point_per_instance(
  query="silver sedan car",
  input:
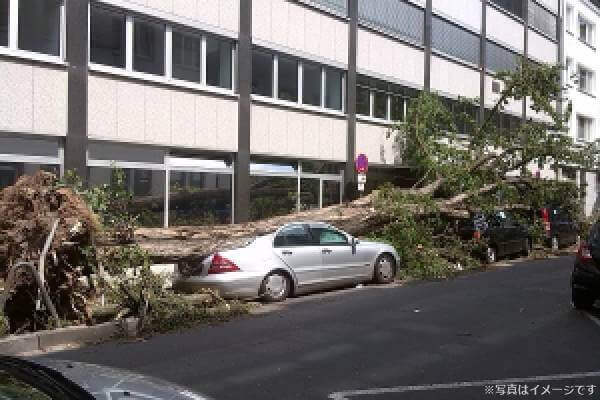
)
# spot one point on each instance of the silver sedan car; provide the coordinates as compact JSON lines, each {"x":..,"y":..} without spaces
{"x":299,"y":257}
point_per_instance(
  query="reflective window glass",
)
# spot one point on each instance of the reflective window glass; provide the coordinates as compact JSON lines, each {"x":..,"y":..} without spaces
{"x":39,"y":26}
{"x":149,"y":47}
{"x":288,"y":79}
{"x":186,"y":56}
{"x":333,"y":92}
{"x":262,"y":73}
{"x":311,"y":84}
{"x":218,"y":62}
{"x":4,"y":22}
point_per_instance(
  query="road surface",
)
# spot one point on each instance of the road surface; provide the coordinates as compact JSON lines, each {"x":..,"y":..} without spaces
{"x":508,"y":329}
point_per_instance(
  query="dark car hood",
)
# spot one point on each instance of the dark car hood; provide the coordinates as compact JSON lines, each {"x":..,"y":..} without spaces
{"x":110,"y":383}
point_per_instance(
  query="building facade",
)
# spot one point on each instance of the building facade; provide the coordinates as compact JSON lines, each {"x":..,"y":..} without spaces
{"x":233,"y":110}
{"x":581,"y":17}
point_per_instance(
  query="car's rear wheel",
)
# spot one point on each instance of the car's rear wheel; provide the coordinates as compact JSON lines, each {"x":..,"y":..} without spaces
{"x":385,"y":269}
{"x":491,"y":256}
{"x":581,"y":300}
{"x":275,"y":287}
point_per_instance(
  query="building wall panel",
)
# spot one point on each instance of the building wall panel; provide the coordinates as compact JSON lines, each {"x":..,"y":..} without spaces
{"x":290,"y":133}
{"x":371,"y":140}
{"x":513,"y":107}
{"x":300,"y":28}
{"x":128,"y":111}
{"x":452,"y":78}
{"x":504,"y":29}
{"x":384,"y":56}
{"x":467,"y":12}
{"x":223,"y":14}
{"x":33,"y":98}
{"x":541,"y":48}
{"x":183,"y":120}
{"x":102,"y":112}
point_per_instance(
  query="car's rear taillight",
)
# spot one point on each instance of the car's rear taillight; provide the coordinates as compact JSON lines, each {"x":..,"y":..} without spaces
{"x":583,"y":253}
{"x":220,"y":264}
{"x":546,"y":220}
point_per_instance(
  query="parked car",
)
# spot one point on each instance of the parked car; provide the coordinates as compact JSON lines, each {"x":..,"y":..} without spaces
{"x":505,"y":236}
{"x":585,"y":278}
{"x":47,"y":379}
{"x":298,"y":258}
{"x":560,"y":228}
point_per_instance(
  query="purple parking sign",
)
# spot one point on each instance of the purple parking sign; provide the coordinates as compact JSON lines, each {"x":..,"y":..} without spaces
{"x":362,"y":164}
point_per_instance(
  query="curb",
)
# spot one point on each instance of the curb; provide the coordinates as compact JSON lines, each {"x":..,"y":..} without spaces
{"x":63,"y":337}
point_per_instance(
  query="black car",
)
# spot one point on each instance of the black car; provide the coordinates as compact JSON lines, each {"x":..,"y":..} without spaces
{"x":46,"y":379}
{"x":585,"y":279}
{"x":560,"y":228}
{"x":505,"y":236}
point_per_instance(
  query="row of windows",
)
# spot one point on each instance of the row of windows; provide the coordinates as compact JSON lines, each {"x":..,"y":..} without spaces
{"x":38,"y":25}
{"x":454,"y":40}
{"x":290,"y":79}
{"x":394,"y":17}
{"x":194,"y":58}
{"x":542,"y":19}
{"x":378,"y":99}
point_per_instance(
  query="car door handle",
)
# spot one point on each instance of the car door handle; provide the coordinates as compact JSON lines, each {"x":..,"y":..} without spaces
{"x":286,"y":253}
{"x":326,"y":251}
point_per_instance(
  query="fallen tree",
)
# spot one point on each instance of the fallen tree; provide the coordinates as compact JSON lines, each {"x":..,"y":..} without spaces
{"x":30,"y":209}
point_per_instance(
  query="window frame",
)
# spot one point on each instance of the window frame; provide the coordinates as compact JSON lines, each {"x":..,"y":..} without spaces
{"x":590,"y":31}
{"x":588,"y":77}
{"x":13,"y":36}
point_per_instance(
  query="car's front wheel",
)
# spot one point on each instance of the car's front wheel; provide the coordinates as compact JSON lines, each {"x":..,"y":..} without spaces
{"x":275,"y":287}
{"x":385,"y":269}
{"x":581,"y":300}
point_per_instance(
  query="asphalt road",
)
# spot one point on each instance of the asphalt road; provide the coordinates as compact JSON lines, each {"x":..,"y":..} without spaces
{"x":504,"y":330}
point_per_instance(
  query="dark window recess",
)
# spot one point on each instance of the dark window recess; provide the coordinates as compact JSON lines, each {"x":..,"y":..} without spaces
{"x":288,"y":79}
{"x":500,"y":59}
{"x":452,"y":40}
{"x":4,"y":22}
{"x":186,"y":57}
{"x":311,"y":84}
{"x":218,"y":62}
{"x":262,"y":73}
{"x":513,"y":6}
{"x":397,"y":111}
{"x":39,"y":26}
{"x":149,"y":48}
{"x":107,"y":37}
{"x":363,"y":101}
{"x":542,"y":19}
{"x":333,"y":92}
{"x":495,"y":87}
{"x":395,"y":17}
{"x":380,"y":105}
